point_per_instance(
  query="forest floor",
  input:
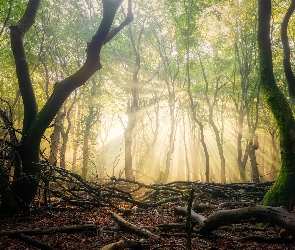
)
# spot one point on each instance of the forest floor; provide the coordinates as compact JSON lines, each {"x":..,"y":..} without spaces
{"x":54,"y":226}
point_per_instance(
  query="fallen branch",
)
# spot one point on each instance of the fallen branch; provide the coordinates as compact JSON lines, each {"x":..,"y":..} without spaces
{"x":275,"y":215}
{"x":123,"y":244}
{"x":194,"y":216}
{"x":35,"y":243}
{"x":165,"y":227}
{"x":64,"y":229}
{"x":132,"y":228}
{"x":263,"y":239}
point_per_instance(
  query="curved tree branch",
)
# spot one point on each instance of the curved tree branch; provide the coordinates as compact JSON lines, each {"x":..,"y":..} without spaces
{"x":17,"y":33}
{"x":286,"y":49}
{"x":92,"y":64}
{"x":276,"y":215}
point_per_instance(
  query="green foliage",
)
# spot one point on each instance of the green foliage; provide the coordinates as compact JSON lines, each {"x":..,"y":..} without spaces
{"x":176,"y":34}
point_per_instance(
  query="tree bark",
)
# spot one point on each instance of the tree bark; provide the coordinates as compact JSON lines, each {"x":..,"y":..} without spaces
{"x":282,"y":192}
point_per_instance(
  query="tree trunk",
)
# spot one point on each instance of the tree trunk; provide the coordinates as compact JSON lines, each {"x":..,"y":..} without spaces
{"x":241,"y":164}
{"x":216,"y":131}
{"x":87,"y":131}
{"x":65,"y":133}
{"x":153,"y":163}
{"x":74,"y":162}
{"x":254,"y":145}
{"x":282,"y":192}
{"x":132,"y":116}
{"x":101,"y":158}
{"x":194,"y":115}
{"x":26,"y":181}
{"x":171,"y":143}
{"x":132,"y":109}
{"x":55,"y":138}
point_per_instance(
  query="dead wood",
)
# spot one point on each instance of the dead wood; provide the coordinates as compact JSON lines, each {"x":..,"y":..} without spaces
{"x":64,"y":229}
{"x":233,"y":204}
{"x":202,"y":207}
{"x":123,"y":194}
{"x":169,"y":226}
{"x":35,"y":243}
{"x":263,"y":239}
{"x":123,"y":244}
{"x":132,"y":228}
{"x":276,"y":215}
{"x":198,"y":218}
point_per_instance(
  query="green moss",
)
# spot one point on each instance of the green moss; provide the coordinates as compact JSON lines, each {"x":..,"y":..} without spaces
{"x":282,"y":192}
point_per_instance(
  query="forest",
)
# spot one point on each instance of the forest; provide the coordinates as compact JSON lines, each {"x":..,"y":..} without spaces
{"x":117,"y":110}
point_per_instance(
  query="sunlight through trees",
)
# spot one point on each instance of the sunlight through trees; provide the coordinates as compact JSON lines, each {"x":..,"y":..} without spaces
{"x":177,"y":96}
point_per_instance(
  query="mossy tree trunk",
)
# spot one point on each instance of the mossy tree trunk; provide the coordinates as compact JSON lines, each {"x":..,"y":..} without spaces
{"x":25,"y":183}
{"x":282,"y":192}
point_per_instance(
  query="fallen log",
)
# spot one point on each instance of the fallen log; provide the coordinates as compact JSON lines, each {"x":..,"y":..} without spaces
{"x":123,"y":244}
{"x":64,"y":229}
{"x":198,"y":218}
{"x":33,"y":242}
{"x":275,"y":215}
{"x":132,"y":228}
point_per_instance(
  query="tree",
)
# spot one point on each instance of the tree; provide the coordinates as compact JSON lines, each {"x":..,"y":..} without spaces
{"x":132,"y":106}
{"x":282,"y":192}
{"x":25,"y":181}
{"x":189,"y":39}
{"x":244,"y":29}
{"x":92,"y":115}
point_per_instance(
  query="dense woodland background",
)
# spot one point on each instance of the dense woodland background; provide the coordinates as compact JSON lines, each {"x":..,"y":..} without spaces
{"x":178,"y":97}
